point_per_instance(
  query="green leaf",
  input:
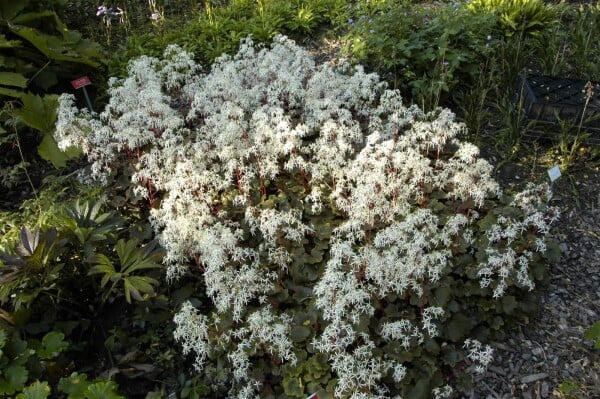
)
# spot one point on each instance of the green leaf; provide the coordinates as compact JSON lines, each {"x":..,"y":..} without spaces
{"x":509,"y":304}
{"x":16,"y":376}
{"x":52,"y":47}
{"x":3,"y":338}
{"x":52,"y":344}
{"x":442,"y":295}
{"x":420,"y":390}
{"x":130,"y":291}
{"x":552,"y":252}
{"x":10,"y":9}
{"x":10,"y":92}
{"x":105,"y":267}
{"x":136,"y":284}
{"x":31,"y":16}
{"x":13,"y":79}
{"x":458,"y":328}
{"x":103,"y":390}
{"x":37,"y":390}
{"x":39,"y":112}
{"x":48,"y":150}
{"x":75,"y":385}
{"x":293,"y":387}
{"x":133,"y":258}
{"x":300,"y":333}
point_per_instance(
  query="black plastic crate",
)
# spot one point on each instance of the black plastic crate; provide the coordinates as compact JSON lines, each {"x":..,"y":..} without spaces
{"x":545,"y":100}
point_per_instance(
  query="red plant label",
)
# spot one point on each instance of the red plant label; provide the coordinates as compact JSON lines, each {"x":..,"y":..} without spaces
{"x":82,"y":81}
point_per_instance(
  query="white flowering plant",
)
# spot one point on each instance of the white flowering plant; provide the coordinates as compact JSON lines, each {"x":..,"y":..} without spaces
{"x":348,"y":243}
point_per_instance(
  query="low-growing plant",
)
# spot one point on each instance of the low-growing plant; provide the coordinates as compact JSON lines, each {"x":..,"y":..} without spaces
{"x":25,"y":364}
{"x":219,"y":27}
{"x":425,"y":51}
{"x":518,"y":17}
{"x":346,"y":242}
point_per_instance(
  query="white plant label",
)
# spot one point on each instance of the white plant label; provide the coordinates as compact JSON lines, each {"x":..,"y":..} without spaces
{"x":554,"y":173}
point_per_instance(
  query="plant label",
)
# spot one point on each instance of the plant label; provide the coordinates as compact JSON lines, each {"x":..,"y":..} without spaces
{"x":313,"y":396}
{"x":554,"y":173}
{"x":81,"y":82}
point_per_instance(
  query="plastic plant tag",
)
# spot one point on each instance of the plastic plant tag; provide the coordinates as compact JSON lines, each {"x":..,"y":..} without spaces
{"x":80,"y":84}
{"x":82,"y":81}
{"x":313,"y":396}
{"x":554,"y":173}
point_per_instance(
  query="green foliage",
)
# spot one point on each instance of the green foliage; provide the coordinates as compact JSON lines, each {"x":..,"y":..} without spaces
{"x":593,"y":334}
{"x":131,"y":259}
{"x":33,"y":265}
{"x":37,"y":51}
{"x":424,"y":51}
{"x":192,"y":388}
{"x":44,"y":209}
{"x":37,"y":390}
{"x":28,"y":361}
{"x":570,"y":389}
{"x":89,"y":226}
{"x":310,"y":374}
{"x":518,"y":17}
{"x":221,"y":26}
{"x":23,"y":361}
{"x":46,"y":289}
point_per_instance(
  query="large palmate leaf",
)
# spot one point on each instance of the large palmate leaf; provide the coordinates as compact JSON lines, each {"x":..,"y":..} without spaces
{"x":52,"y":47}
{"x":38,"y":112}
{"x":37,"y":51}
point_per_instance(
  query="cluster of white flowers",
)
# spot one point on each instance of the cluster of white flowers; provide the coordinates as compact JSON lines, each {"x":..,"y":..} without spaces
{"x":502,"y":259}
{"x":480,"y":355}
{"x":192,"y":332}
{"x":212,"y":145}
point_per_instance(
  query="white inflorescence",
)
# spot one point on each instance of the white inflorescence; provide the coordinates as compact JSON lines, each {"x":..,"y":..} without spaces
{"x":211,"y":143}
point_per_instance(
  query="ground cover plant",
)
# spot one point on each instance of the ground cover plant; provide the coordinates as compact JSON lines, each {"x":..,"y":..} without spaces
{"x":348,"y":243}
{"x":321,"y":233}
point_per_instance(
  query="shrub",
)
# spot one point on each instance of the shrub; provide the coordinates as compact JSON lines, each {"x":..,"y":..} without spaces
{"x":348,"y":243}
{"x":426,"y":51}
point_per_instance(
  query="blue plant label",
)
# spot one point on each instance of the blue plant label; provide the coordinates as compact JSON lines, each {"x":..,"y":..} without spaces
{"x":554,"y":173}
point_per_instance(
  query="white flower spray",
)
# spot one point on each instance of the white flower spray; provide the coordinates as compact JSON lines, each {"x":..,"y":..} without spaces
{"x":211,"y":145}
